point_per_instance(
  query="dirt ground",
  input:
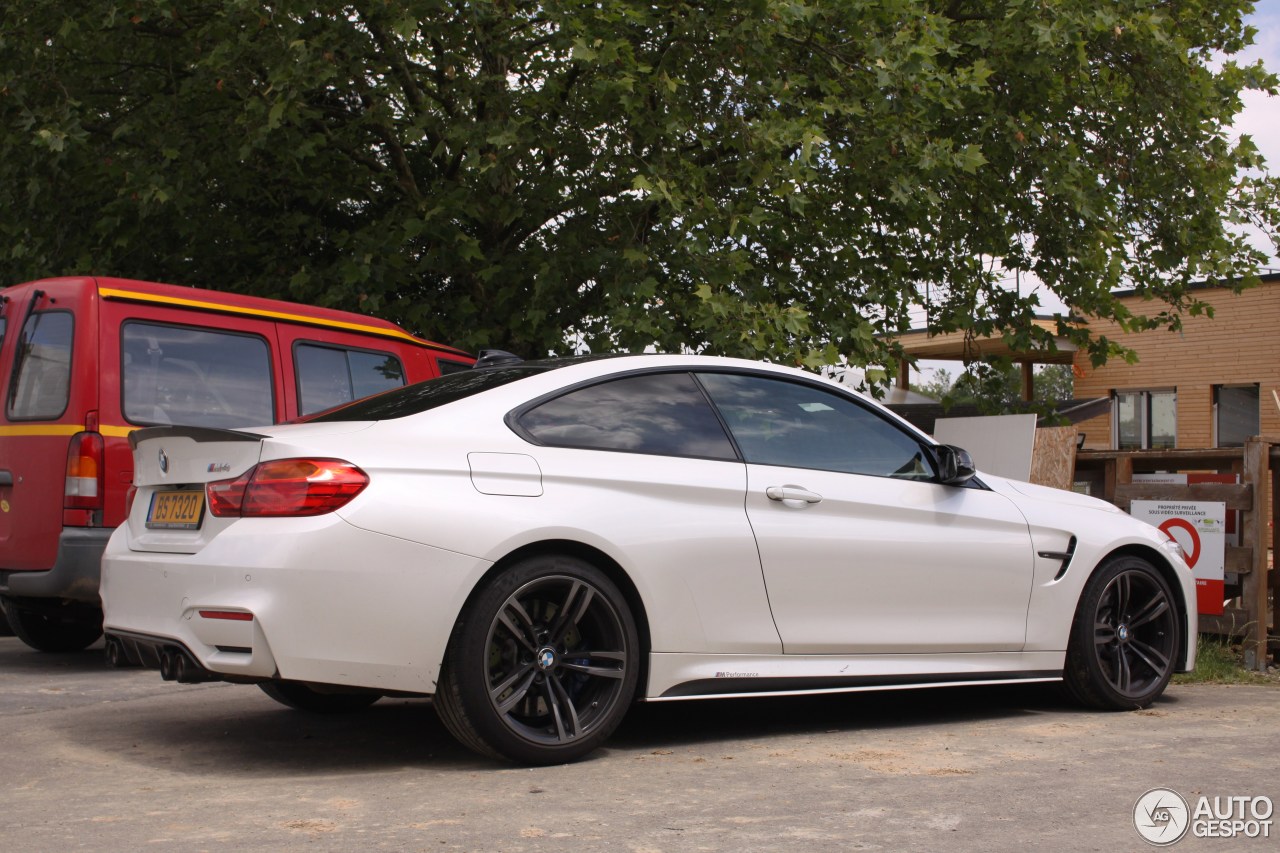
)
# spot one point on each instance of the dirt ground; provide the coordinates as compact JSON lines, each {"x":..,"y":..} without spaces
{"x":96,"y":759}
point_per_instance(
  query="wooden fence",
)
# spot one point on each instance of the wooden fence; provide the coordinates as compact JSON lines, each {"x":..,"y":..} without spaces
{"x":1249,"y":612}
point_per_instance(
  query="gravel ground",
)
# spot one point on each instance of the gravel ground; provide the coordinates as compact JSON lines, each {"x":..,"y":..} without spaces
{"x":96,"y":759}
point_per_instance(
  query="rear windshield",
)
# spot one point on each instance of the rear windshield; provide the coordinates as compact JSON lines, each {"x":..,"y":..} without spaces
{"x":412,"y":399}
{"x":41,"y":378}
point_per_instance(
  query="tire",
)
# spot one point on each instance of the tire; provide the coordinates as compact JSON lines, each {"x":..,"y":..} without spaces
{"x":49,"y":633}
{"x":300,"y":697}
{"x":542,"y":665}
{"x":1125,"y":638}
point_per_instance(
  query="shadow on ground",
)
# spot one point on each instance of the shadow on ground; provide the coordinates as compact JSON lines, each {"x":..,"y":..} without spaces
{"x":234,"y":729}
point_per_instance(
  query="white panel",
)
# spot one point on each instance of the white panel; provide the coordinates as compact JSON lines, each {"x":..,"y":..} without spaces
{"x":1000,"y":444}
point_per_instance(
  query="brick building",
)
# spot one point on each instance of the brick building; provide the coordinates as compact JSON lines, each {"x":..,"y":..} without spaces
{"x":1210,"y":384}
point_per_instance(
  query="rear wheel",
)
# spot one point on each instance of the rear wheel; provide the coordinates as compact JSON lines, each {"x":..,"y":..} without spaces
{"x":302,"y":697}
{"x":48,"y":631}
{"x":1126,"y":636}
{"x":543,"y":665}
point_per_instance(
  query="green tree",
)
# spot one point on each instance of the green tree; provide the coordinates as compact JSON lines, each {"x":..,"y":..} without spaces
{"x":770,"y":178}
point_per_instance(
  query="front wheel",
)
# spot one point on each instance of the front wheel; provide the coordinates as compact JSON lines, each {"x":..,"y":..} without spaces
{"x":542,"y":666}
{"x":1126,"y":637}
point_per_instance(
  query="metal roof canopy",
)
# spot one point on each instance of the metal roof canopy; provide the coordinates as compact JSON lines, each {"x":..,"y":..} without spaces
{"x":956,"y":346}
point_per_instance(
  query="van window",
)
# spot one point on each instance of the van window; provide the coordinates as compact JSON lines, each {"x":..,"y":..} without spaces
{"x":41,"y":379}
{"x":448,"y":366}
{"x":329,"y":376}
{"x":195,"y":377}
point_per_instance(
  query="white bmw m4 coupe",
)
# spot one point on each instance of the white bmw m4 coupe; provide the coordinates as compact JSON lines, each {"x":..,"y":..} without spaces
{"x":537,"y":545}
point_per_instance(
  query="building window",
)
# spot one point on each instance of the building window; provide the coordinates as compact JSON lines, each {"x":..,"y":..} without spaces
{"x":1235,"y":414}
{"x":1145,"y":420}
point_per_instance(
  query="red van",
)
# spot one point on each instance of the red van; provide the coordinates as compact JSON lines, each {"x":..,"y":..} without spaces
{"x":85,"y":361}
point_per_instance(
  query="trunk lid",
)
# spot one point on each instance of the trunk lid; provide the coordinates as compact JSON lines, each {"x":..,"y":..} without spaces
{"x":171,"y":466}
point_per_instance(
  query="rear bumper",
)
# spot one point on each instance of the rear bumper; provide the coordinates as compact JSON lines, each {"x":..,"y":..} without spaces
{"x":75,"y":573}
{"x":302,"y":599}
{"x":174,"y":660}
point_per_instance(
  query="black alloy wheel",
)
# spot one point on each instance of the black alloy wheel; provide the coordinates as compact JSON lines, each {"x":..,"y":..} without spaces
{"x":1126,"y":637}
{"x":543,"y":667}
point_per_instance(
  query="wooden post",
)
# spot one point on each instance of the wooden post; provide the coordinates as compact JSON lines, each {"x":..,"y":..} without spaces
{"x":1028,"y":382}
{"x":1118,"y":471}
{"x":1274,"y":497}
{"x":1254,"y":535}
{"x":904,"y":374}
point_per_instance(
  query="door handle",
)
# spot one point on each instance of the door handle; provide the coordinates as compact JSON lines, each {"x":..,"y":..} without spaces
{"x":792,"y":493}
{"x":6,"y":478}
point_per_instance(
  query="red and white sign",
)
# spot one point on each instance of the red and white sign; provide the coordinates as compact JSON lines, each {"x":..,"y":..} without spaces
{"x":1200,"y":528}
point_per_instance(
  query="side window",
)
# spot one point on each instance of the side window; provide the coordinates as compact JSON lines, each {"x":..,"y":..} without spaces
{"x":41,"y":381}
{"x":448,"y":366}
{"x":777,"y":422}
{"x":329,"y":376}
{"x":664,"y":414}
{"x":195,"y":377}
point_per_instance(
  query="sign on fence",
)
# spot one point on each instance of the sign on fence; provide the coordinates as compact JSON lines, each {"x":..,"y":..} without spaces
{"x":1200,"y":528}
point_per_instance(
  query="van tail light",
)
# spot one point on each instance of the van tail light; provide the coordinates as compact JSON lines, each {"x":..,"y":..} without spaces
{"x":287,"y":487}
{"x":84,"y":483}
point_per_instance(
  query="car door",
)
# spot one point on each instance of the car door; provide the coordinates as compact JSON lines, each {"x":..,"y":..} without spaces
{"x":643,"y":463}
{"x":863,"y":551}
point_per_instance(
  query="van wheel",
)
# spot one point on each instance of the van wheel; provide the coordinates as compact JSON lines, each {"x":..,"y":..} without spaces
{"x":49,"y":633}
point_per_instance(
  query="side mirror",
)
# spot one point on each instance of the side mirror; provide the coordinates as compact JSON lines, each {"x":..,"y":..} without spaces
{"x":955,"y":465}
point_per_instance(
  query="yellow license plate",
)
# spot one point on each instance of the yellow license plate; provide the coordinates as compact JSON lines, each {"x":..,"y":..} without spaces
{"x":176,"y":510}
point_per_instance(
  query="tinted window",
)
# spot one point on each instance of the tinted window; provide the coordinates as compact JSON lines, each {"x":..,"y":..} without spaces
{"x":663,"y":414}
{"x":446,"y":366}
{"x":330,"y":376}
{"x":422,"y":396}
{"x":195,"y":377}
{"x":1237,"y":409}
{"x":41,"y":378}
{"x":776,"y":422}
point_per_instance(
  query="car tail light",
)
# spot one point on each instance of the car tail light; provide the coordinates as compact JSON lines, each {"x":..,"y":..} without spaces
{"x":83,"y":488}
{"x":287,"y":487}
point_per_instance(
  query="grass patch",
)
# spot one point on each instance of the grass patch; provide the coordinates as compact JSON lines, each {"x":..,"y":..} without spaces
{"x":1220,"y":662}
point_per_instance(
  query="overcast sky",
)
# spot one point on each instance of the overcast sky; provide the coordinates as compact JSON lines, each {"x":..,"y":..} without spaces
{"x":1261,"y":116}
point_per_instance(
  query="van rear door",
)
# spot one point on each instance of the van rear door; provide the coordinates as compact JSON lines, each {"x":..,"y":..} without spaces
{"x":47,"y":389}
